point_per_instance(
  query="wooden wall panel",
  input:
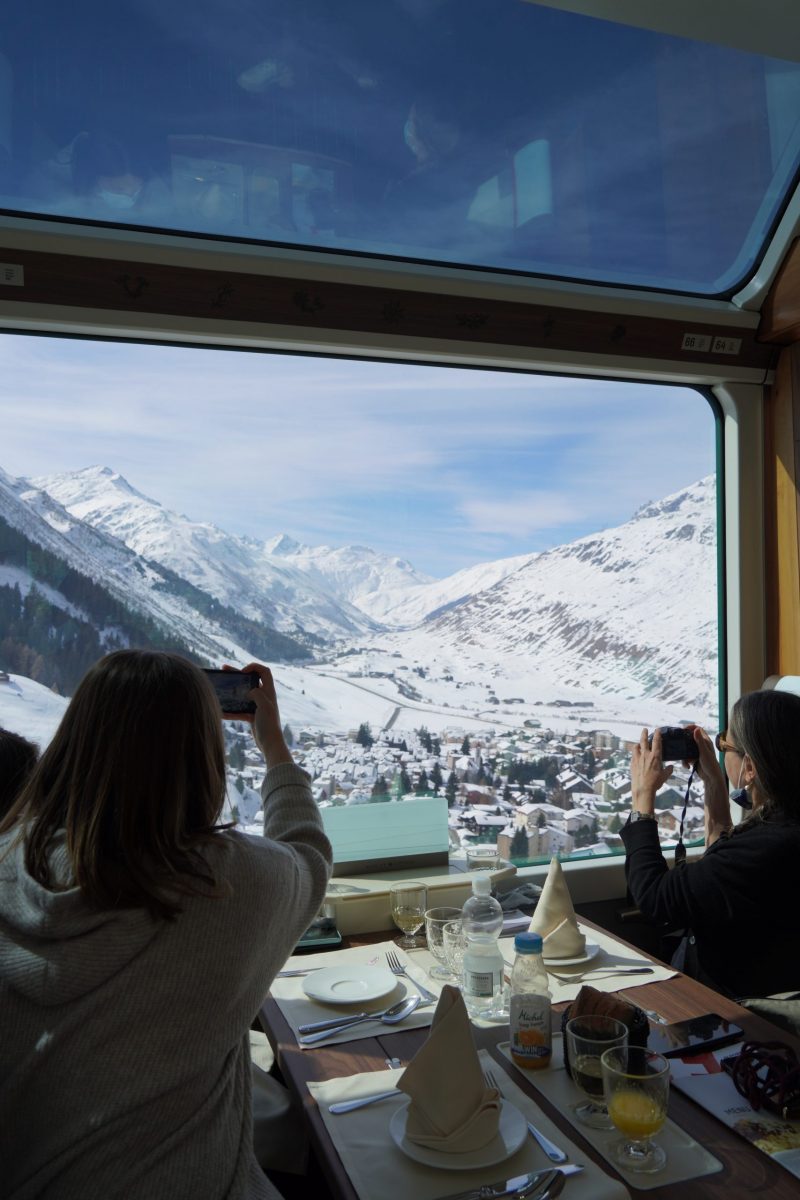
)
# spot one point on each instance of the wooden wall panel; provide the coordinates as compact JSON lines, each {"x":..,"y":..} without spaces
{"x":782,"y":516}
{"x":780,"y":316}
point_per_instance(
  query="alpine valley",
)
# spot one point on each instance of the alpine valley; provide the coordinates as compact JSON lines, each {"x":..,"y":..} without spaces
{"x":611,"y":631}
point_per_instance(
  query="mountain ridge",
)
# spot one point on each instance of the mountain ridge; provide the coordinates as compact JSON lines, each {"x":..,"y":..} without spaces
{"x":628,"y":612}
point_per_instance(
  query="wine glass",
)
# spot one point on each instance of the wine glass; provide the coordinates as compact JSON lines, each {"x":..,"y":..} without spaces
{"x":636,"y":1085}
{"x":435,"y":921}
{"x":587,"y":1038}
{"x":409,"y":902}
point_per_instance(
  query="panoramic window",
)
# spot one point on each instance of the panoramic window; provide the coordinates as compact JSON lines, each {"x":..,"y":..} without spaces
{"x":540,"y":141}
{"x":473,"y":587}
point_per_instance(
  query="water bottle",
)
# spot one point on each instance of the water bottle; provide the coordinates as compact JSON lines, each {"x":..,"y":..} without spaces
{"x":531,"y":1035}
{"x":482,"y":920}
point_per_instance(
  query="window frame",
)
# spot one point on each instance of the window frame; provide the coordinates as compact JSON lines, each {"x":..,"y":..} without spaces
{"x":736,"y":393}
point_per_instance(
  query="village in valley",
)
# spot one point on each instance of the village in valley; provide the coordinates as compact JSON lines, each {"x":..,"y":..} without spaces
{"x":532,"y":793}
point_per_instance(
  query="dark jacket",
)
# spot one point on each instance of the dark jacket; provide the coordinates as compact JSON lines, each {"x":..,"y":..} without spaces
{"x":739,"y":902}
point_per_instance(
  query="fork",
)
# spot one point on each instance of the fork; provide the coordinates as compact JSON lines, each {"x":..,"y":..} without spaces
{"x":600,"y":973}
{"x":397,"y":968}
{"x":553,"y":1152}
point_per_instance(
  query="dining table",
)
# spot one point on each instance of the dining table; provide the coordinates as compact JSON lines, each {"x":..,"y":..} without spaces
{"x":744,"y":1169}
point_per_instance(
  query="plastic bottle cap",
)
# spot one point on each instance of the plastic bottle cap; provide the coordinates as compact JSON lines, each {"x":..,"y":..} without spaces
{"x":528,"y":943}
{"x":481,"y":885}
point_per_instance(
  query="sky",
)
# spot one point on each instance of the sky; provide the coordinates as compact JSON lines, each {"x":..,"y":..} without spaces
{"x":444,"y":467}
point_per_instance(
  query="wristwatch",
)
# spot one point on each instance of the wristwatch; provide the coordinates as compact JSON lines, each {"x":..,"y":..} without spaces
{"x":642,"y":816}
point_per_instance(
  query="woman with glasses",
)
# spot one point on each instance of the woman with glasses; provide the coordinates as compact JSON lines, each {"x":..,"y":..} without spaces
{"x":737,"y":902}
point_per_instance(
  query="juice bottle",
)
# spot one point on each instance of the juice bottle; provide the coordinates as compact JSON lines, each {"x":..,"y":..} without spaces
{"x":531,"y":1038}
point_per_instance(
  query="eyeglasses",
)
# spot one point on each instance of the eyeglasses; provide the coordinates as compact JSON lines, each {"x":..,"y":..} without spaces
{"x":723,"y":745}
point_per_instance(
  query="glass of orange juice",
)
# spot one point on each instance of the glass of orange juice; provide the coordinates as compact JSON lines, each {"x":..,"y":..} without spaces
{"x":636,"y":1086}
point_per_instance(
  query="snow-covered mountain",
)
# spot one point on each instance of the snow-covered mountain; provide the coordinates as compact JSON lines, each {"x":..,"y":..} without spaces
{"x":295,"y":588}
{"x":630,"y":611}
{"x":136,"y":583}
{"x":621,"y":622}
{"x":358,"y":574}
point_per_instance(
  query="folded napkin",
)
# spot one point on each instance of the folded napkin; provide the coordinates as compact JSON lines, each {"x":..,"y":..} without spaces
{"x":451,"y":1107}
{"x":555,"y":918}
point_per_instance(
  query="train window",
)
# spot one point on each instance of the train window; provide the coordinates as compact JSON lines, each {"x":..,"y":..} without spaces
{"x":472,"y":585}
{"x":540,"y":141}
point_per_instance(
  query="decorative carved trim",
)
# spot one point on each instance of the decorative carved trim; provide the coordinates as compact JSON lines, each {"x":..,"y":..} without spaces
{"x":101,"y":283}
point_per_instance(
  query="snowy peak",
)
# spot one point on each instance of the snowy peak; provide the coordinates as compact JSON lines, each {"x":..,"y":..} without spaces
{"x":363,"y":577}
{"x":91,"y":486}
{"x":239,"y":572}
{"x":282,"y":544}
{"x":316,"y":589}
{"x":700,"y":497}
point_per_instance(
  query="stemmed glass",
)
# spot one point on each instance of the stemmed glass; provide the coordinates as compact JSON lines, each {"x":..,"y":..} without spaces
{"x":587,"y":1038}
{"x":435,"y":921}
{"x":636,"y":1087}
{"x":409,"y":902}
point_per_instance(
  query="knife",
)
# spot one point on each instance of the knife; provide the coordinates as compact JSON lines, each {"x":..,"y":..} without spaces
{"x":533,"y":1185}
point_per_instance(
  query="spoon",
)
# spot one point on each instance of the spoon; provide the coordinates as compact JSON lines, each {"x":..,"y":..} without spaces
{"x":390,"y":1016}
{"x":332,"y":1022}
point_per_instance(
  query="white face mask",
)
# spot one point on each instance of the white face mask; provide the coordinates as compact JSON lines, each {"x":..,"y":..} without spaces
{"x":119,"y":200}
{"x":740,"y":795}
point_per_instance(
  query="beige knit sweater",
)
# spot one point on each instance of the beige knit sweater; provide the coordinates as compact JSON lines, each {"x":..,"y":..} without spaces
{"x":124,"y":1060}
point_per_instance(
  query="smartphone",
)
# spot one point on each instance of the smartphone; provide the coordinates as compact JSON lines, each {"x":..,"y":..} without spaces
{"x":320,"y":933}
{"x":231,"y":689}
{"x":698,"y":1034}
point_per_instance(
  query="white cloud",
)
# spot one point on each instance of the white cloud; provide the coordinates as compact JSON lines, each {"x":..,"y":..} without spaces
{"x":525,"y":514}
{"x":433,"y":464}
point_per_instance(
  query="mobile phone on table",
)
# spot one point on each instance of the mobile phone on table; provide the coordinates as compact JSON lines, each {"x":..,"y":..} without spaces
{"x":693,"y":1036}
{"x":321,"y":932}
{"x":231,"y":689}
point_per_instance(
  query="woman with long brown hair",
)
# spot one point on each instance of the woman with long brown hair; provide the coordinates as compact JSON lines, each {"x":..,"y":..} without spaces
{"x":139,"y":937}
{"x":738,"y":901}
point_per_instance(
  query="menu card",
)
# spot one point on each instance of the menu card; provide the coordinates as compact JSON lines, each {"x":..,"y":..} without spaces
{"x":703,"y":1080}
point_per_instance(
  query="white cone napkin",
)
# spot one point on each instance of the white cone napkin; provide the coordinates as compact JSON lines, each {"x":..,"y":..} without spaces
{"x":451,"y":1107}
{"x":554,"y":918}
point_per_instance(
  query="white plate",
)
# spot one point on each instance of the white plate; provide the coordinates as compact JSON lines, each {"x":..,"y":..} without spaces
{"x":511,"y":1134}
{"x":349,"y":985}
{"x":592,"y":950}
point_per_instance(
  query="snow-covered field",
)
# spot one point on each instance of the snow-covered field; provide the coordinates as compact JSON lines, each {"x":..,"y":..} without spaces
{"x":29,"y":709}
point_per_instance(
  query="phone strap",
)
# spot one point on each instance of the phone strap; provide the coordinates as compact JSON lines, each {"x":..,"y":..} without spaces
{"x":680,"y":849}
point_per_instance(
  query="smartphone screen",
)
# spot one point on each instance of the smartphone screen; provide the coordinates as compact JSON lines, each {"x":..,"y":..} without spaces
{"x":700,"y":1033}
{"x":231,"y":689}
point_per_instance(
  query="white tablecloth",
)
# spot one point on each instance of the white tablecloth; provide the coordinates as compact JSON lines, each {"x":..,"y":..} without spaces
{"x":300,"y":1009}
{"x":612,"y":956}
{"x":379,"y":1170}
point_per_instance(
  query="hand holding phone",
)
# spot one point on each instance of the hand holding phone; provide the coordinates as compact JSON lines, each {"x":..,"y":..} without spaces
{"x":249,"y":695}
{"x":266,"y":720}
{"x":232,"y":689}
